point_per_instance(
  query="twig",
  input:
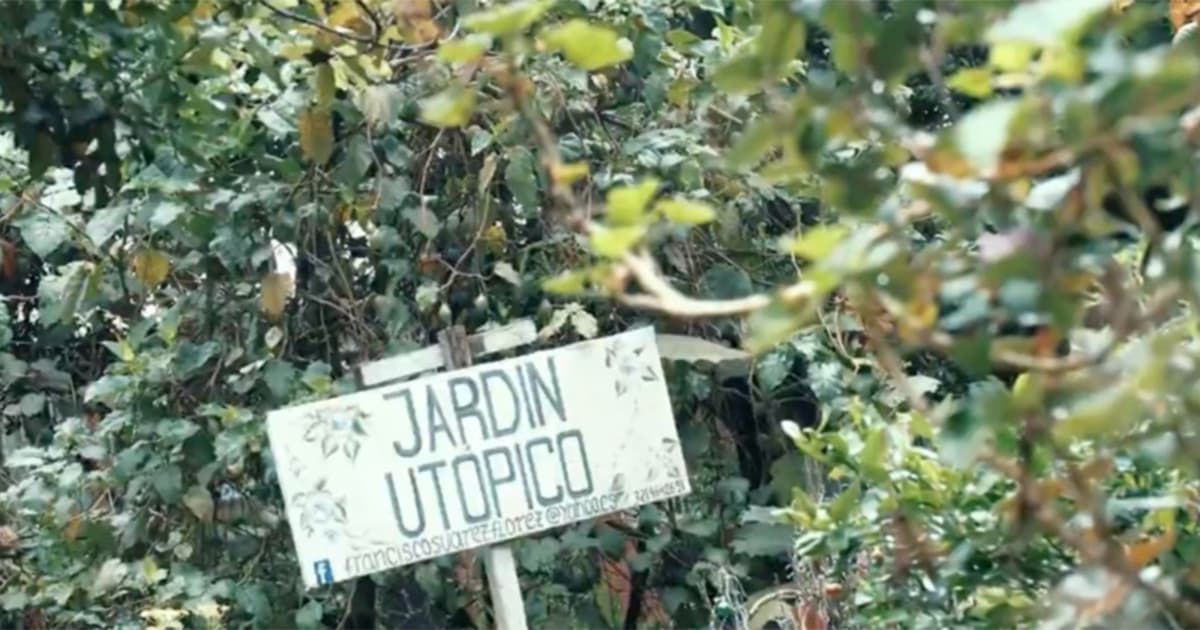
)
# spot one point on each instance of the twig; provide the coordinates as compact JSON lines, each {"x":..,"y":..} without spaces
{"x":319,"y":25}
{"x":661,"y":296}
{"x":362,"y":6}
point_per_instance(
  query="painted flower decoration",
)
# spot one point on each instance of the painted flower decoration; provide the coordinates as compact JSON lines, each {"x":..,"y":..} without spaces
{"x":628,"y":364}
{"x":321,"y":514}
{"x":337,"y":429}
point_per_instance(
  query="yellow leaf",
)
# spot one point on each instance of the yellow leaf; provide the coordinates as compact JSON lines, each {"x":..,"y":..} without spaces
{"x":324,"y":85}
{"x":495,"y":238}
{"x":613,"y":243}
{"x":451,"y":107}
{"x":347,"y":16}
{"x":71,"y":532}
{"x":316,"y":135}
{"x":275,"y":290}
{"x":466,"y":49}
{"x":507,"y":19}
{"x":588,"y":46}
{"x":151,"y":267}
{"x":974,"y":82}
{"x":627,"y":204}
{"x":568,"y":174}
{"x":686,"y":211}
{"x":1011,"y":56}
{"x":566,"y":283}
{"x":816,"y":243}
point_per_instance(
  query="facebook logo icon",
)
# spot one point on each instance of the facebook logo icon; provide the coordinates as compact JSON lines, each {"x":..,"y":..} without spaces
{"x":324,"y":572}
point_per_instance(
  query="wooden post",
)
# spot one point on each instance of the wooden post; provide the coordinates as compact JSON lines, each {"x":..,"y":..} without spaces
{"x":507,"y":602}
{"x":457,"y":350}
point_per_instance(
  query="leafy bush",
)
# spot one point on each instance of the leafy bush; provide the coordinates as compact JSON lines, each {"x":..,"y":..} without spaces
{"x":955,"y":237}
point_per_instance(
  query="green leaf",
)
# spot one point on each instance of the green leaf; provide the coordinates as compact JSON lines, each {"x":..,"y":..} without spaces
{"x":763,"y":539}
{"x":168,"y":482}
{"x":1046,"y":22}
{"x":963,"y":436}
{"x":42,"y":231}
{"x":843,"y":506}
{"x":108,"y":389}
{"x":309,"y":616}
{"x":1103,"y":413}
{"x":423,"y":220}
{"x":772,"y":369}
{"x":586,"y":45}
{"x":873,"y":457}
{"x":725,"y":282}
{"x":626,"y":205}
{"x":535,"y":553}
{"x":6,"y":333}
{"x":566,"y":283}
{"x":193,"y":356}
{"x":614,"y":243}
{"x":817,"y":243}
{"x":521,"y":179}
{"x":106,"y":222}
{"x":452,"y":107}
{"x":740,"y":75}
{"x":974,"y":82}
{"x":982,"y":134}
{"x":165,"y":213}
{"x":780,"y":40}
{"x":686,"y":211}
{"x":60,"y":295}
{"x":13,"y":599}
{"x":507,"y":19}
{"x":110,"y":576}
{"x":279,"y":376}
{"x":32,"y":404}
{"x":759,"y":138}
{"x":464,"y":50}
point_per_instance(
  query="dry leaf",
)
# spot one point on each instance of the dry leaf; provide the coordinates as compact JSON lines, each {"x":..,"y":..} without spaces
{"x":1143,"y":552}
{"x":8,"y":537}
{"x":346,"y":15}
{"x":72,"y":530}
{"x":316,"y":135}
{"x":275,"y":290}
{"x":151,"y":267}
{"x":1181,"y":12}
{"x":8,"y":259}
{"x":415,"y":19}
{"x":199,"y":502}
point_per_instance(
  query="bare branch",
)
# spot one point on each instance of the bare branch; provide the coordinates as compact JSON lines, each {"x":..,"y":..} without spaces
{"x":660,"y":296}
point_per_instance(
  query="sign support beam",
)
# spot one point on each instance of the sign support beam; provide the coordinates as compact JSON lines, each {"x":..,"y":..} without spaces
{"x":503,"y":583}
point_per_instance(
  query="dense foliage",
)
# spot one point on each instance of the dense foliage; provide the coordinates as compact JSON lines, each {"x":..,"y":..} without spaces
{"x":954,"y":235}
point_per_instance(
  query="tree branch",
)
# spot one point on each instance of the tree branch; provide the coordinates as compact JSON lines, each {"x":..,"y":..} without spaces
{"x":296,"y":17}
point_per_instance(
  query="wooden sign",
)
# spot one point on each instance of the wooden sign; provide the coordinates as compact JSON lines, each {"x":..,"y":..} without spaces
{"x":408,"y":472}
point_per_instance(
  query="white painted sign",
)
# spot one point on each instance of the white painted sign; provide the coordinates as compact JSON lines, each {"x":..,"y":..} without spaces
{"x":409,"y":472}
